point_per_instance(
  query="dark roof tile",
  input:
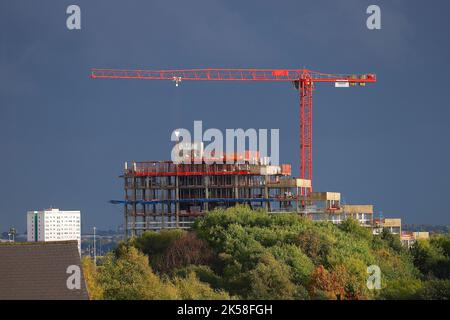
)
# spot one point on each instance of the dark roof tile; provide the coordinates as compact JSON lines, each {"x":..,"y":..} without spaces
{"x":37,"y":270}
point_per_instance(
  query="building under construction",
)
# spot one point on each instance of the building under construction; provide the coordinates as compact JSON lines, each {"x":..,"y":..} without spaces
{"x":164,"y":194}
{"x":168,"y":195}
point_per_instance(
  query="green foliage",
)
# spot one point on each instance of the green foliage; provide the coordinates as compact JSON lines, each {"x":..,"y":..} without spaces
{"x":401,"y":289}
{"x":240,"y":253}
{"x":431,"y":256}
{"x":243,"y":240}
{"x":241,"y":237}
{"x":442,"y":242}
{"x":300,"y":266}
{"x":190,"y":288}
{"x":154,"y":245}
{"x":352,"y":227}
{"x":395,"y":267}
{"x":315,"y":246}
{"x":435,"y":290}
{"x":203,"y":273}
{"x":90,"y":276}
{"x":392,"y":240}
{"x":246,"y":242}
{"x":270,"y":279}
{"x":353,"y":275}
{"x":126,"y":275}
{"x":416,"y":289}
{"x":185,"y":251}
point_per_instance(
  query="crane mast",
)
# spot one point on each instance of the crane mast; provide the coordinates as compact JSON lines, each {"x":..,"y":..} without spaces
{"x":302,"y":79}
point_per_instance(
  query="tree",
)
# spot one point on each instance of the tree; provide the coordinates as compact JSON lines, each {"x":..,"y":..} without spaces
{"x":126,"y":275}
{"x":392,"y":240}
{"x":401,"y":289}
{"x":324,"y":284}
{"x":90,"y":275}
{"x":270,"y":280}
{"x":155,"y":244}
{"x":152,"y":242}
{"x":313,"y":246}
{"x":187,"y":250}
{"x":204,"y":273}
{"x":190,"y":288}
{"x":299,"y":264}
{"x":353,"y":227}
{"x":352,"y":276}
{"x":430,"y":258}
{"x":443,"y":242}
{"x":435,"y":290}
{"x":342,"y":282}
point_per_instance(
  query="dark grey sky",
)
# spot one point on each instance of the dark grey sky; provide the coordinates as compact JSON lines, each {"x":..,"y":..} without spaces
{"x":64,"y":137}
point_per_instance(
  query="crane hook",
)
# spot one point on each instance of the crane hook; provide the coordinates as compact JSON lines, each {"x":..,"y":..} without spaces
{"x":177,"y":80}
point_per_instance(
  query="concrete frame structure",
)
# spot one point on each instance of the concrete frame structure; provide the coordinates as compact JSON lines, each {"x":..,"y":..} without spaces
{"x":164,"y":194}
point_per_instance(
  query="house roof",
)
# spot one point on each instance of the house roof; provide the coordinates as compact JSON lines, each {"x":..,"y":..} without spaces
{"x":39,"y":270}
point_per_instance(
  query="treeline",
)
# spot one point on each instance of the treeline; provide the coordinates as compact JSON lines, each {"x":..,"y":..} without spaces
{"x":243,"y":254}
{"x":441,"y":229}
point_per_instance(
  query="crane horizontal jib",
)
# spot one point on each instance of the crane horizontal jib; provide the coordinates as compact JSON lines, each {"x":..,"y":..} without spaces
{"x":231,"y":75}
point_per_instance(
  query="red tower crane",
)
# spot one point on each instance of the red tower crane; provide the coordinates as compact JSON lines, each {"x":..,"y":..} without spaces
{"x":303,"y":80}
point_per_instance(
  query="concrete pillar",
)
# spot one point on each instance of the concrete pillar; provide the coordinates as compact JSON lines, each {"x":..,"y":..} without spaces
{"x":266,"y":193}
{"x":177,"y":203}
{"x":206,"y":183}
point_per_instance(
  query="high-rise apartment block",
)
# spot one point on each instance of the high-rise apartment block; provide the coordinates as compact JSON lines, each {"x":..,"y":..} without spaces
{"x":54,"y":225}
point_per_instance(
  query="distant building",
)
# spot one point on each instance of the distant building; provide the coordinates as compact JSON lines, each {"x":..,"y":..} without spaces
{"x":326,"y":206}
{"x":54,"y":225}
{"x":409,"y":238}
{"x":393,"y":225}
{"x":41,"y":271}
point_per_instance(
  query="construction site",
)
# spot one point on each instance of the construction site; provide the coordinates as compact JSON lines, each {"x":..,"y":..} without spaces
{"x":165,"y":194}
{"x":162,"y":194}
